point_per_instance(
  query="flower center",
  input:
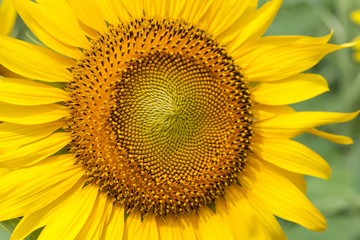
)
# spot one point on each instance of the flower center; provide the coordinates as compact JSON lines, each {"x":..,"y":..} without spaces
{"x":159,"y":116}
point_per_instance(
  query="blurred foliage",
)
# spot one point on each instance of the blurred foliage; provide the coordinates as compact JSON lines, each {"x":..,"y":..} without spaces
{"x":339,"y":198}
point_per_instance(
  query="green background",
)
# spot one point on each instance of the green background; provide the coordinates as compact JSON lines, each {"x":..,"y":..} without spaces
{"x":338,"y":198}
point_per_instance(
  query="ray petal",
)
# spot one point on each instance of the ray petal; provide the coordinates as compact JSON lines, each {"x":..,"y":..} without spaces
{"x":35,"y":152}
{"x":292,"y":124}
{"x":12,"y":136}
{"x":156,"y":8}
{"x":33,"y":61}
{"x":255,"y":28}
{"x":272,"y":58}
{"x":332,"y":137}
{"x":94,"y":225}
{"x":292,"y":156}
{"x":112,"y":11}
{"x":291,"y":90}
{"x":283,"y":198}
{"x":24,"y":92}
{"x":115,"y":227}
{"x":27,"y":190}
{"x":41,"y":217}
{"x":195,"y":11}
{"x":89,"y":12}
{"x":135,"y":8}
{"x":29,"y":115}
{"x":212,"y":226}
{"x":71,"y":217}
{"x":169,"y":229}
{"x":249,"y":220}
{"x":227,"y":18}
{"x":56,"y":17}
{"x":7,"y":16}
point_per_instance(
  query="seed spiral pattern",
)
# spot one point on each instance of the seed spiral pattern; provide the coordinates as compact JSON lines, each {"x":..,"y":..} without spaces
{"x":160,"y":116}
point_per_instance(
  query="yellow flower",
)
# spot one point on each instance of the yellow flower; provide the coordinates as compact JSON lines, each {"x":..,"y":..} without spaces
{"x":355,"y":16}
{"x":174,"y":116}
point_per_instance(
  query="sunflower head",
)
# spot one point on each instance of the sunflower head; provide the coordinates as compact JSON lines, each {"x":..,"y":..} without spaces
{"x":148,"y":95}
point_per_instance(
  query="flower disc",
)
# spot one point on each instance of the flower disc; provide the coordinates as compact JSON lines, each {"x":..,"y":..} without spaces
{"x":160,"y":116}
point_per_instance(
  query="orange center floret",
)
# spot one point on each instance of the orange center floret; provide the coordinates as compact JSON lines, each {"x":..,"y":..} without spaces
{"x":160,"y":116}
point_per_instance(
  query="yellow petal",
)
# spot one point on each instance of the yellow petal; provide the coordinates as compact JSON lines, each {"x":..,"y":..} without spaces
{"x":283,"y":199}
{"x":29,"y":115}
{"x":212,"y":226}
{"x":292,"y":124}
{"x":255,"y":28}
{"x":94,"y":225}
{"x":132,"y":225}
{"x":31,"y":222}
{"x":249,"y":220}
{"x":175,"y":8}
{"x":57,"y":18}
{"x":34,"y":61}
{"x":241,"y":216}
{"x":169,"y":229}
{"x":297,"y":179}
{"x":89,"y":12}
{"x":270,"y":224}
{"x":112,"y":11}
{"x":27,"y":92}
{"x":34,"y":152}
{"x":15,"y":135}
{"x":263,"y":112}
{"x":7,"y":17}
{"x":332,"y":137}
{"x":4,"y":171}
{"x":115,"y":227}
{"x":226,"y":18}
{"x":292,"y":156}
{"x":135,"y":8}
{"x":291,"y":90}
{"x":186,"y":227}
{"x":271,"y":60}
{"x":4,"y":72}
{"x":46,"y":37}
{"x":27,"y":190}
{"x":135,"y":229}
{"x":156,"y":8}
{"x":67,"y":221}
{"x":148,"y":229}
{"x":194,"y":11}
{"x":269,"y":41}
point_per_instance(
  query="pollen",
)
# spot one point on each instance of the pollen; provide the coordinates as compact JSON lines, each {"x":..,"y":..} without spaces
{"x":160,"y":116}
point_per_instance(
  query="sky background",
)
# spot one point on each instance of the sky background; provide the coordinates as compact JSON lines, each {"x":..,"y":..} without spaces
{"x":338,"y":198}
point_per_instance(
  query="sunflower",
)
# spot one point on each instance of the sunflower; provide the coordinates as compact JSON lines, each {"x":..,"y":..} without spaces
{"x":159,"y":120}
{"x":355,"y":16}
